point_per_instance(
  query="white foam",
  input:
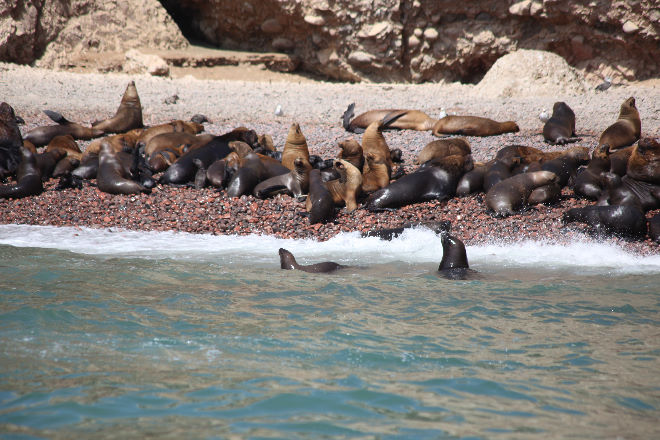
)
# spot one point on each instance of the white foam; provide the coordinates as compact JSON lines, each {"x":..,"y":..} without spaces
{"x":418,"y":245}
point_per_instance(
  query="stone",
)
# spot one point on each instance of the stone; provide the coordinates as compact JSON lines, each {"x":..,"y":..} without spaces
{"x":520,"y":8}
{"x":138,"y":62}
{"x":314,"y":20}
{"x":271,"y":26}
{"x":359,"y":57}
{"x":629,"y":27}
{"x":430,"y":34}
{"x":413,"y":41}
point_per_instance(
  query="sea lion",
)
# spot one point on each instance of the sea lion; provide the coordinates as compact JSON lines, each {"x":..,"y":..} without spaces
{"x":375,"y":174}
{"x":351,"y":151}
{"x":47,"y":161}
{"x":65,"y":143}
{"x":265,"y":143}
{"x":627,"y":128}
{"x":241,"y":148}
{"x":473,"y":180}
{"x":549,"y":193}
{"x":587,"y":181}
{"x":408,"y":119}
{"x":199,"y":118}
{"x":295,"y":146}
{"x":442,"y":148}
{"x":498,"y":170}
{"x":11,"y":141}
{"x":348,"y":187}
{"x":250,"y":171}
{"x":166,"y":141}
{"x":65,"y":166}
{"x":200,"y":180}
{"x":432,"y":183}
{"x":295,"y":183}
{"x":128,"y":115}
{"x":88,"y":167}
{"x":618,"y":220}
{"x":644,"y":161}
{"x":527,"y":155}
{"x":41,"y":136}
{"x":510,"y":195}
{"x":164,"y":152}
{"x":628,"y":191}
{"x":119,"y":142}
{"x":566,"y":165}
{"x":28,"y":178}
{"x":472,"y":126}
{"x":112,"y":176}
{"x":288,"y":262}
{"x":560,"y":128}
{"x":390,"y":233}
{"x":176,"y":126}
{"x":619,"y":160}
{"x":454,"y":264}
{"x":319,"y":202}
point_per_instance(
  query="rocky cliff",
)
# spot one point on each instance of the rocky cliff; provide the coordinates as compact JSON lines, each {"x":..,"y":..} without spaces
{"x":376,"y":40}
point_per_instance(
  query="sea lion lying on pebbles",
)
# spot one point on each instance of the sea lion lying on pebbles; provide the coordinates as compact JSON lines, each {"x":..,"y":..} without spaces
{"x":472,"y":126}
{"x":406,"y":120}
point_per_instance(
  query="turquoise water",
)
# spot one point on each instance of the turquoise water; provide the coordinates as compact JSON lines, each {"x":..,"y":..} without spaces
{"x":111,"y":334}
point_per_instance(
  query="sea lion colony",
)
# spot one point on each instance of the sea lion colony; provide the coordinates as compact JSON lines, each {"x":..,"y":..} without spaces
{"x":131,"y":158}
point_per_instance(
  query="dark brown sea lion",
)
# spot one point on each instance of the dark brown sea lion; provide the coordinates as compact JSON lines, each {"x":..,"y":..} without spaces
{"x":472,"y":126}
{"x":47,"y":161}
{"x":566,"y":165}
{"x":549,"y":193}
{"x":295,"y":183}
{"x":128,"y":115}
{"x":619,"y":160}
{"x":454,"y":264}
{"x":251,"y":170}
{"x":89,"y":165}
{"x":351,"y":151}
{"x":628,"y":191}
{"x":498,"y":170}
{"x":288,"y":262}
{"x":41,"y":136}
{"x":113,"y":177}
{"x":473,"y":180}
{"x":200,"y":180}
{"x":164,"y":152}
{"x":511,"y":195}
{"x":28,"y":178}
{"x":295,"y":146}
{"x":619,"y":220}
{"x":560,"y":128}
{"x":10,"y":141}
{"x":408,"y":119}
{"x":319,"y":203}
{"x":65,"y":166}
{"x":527,"y":155}
{"x":348,"y":187}
{"x":432,"y":183}
{"x":65,"y":143}
{"x":627,"y":128}
{"x":442,"y":148}
{"x":644,"y":162}
{"x":587,"y":181}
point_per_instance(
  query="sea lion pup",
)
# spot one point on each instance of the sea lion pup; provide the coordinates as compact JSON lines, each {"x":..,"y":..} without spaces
{"x":176,"y":126}
{"x":511,"y":195}
{"x":47,"y":161}
{"x":618,"y":220}
{"x":408,"y":119}
{"x":390,"y":233}
{"x":473,"y":180}
{"x":560,"y":128}
{"x":288,"y":262}
{"x":348,"y":187}
{"x":351,"y":151}
{"x":472,"y":126}
{"x":41,"y":136}
{"x":163,"y":153}
{"x":28,"y":178}
{"x":454,"y":264}
{"x":644,"y":161}
{"x":295,"y":146}
{"x":566,"y":165}
{"x":295,"y":183}
{"x":442,"y":148}
{"x":319,"y":203}
{"x":241,"y":148}
{"x":112,"y":176}
{"x":432,"y":183}
{"x":128,"y":115}
{"x":10,"y":141}
{"x":627,"y":128}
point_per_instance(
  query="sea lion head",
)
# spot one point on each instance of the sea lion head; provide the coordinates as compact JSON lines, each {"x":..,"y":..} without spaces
{"x":628,"y":109}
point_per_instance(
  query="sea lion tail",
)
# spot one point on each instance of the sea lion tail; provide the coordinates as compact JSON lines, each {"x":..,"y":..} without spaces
{"x":347,"y":116}
{"x":390,"y":118}
{"x":56,"y":117}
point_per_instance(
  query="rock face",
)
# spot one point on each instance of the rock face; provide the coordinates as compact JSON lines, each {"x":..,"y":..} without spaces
{"x":376,"y":40}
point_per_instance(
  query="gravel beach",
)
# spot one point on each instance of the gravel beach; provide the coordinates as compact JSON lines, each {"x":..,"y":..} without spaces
{"x":317,"y":106}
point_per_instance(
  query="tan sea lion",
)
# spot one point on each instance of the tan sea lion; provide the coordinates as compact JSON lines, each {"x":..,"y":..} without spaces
{"x":442,"y":148}
{"x":408,"y":119}
{"x":295,"y":146}
{"x":112,"y":176}
{"x":128,"y":115}
{"x":627,"y":128}
{"x":28,"y":178}
{"x":119,"y":142}
{"x":351,"y":151}
{"x":241,"y":148}
{"x":41,"y":136}
{"x":288,"y":262}
{"x":560,"y":128}
{"x":472,"y":126}
{"x":173,"y":139}
{"x":375,"y":174}
{"x":510,"y":195}
{"x":644,"y":161}
{"x":176,"y":126}
{"x":348,"y":187}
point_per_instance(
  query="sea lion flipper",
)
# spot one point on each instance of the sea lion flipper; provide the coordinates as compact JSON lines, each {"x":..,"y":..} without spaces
{"x":56,"y":117}
{"x":391,"y":117}
{"x":348,"y":115}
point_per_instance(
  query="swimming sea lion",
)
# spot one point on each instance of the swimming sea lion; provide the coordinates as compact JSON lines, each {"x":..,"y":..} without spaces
{"x":408,"y":119}
{"x":319,"y":202}
{"x":443,"y":147}
{"x":348,"y":187}
{"x":351,"y":151}
{"x":128,"y":115}
{"x":112,"y":176}
{"x":454,"y":264}
{"x":619,"y":220}
{"x":560,"y":128}
{"x":288,"y":262}
{"x":627,"y":128}
{"x":295,"y":146}
{"x":41,"y":136}
{"x":510,"y":195}
{"x":295,"y":183}
{"x":472,"y":126}
{"x":644,"y":161}
{"x":28,"y":178}
{"x":10,"y":141}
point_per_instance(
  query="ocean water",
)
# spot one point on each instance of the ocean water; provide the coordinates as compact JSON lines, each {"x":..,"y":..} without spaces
{"x":117,"y":334}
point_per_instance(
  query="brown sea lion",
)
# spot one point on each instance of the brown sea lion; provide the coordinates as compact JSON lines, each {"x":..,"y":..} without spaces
{"x":560,"y":128}
{"x":454,"y":264}
{"x":319,"y":203}
{"x":472,"y":126}
{"x":510,"y":195}
{"x":288,"y":262}
{"x":566,"y":165}
{"x":164,"y":152}
{"x":587,"y":181}
{"x":128,"y":115}
{"x":241,"y":148}
{"x":41,"y":136}
{"x":295,"y":183}
{"x":119,"y":142}
{"x":628,"y":191}
{"x":409,"y":119}
{"x":30,"y":146}
{"x":351,"y":151}
{"x":442,"y":148}
{"x":250,"y":170}
{"x":112,"y":176}
{"x":498,"y":170}
{"x":644,"y":162}
{"x":473,"y":180}
{"x":619,"y":160}
{"x":10,"y":141}
{"x":295,"y":146}
{"x":265,"y":142}
{"x":65,"y":166}
{"x":28,"y":178}
{"x":89,"y":165}
{"x":164,"y":141}
{"x":619,"y":220}
{"x":47,"y":161}
{"x":627,"y":128}
{"x":545,"y":194}
{"x":65,"y":143}
{"x":348,"y":187}
{"x":176,"y":126}
{"x":375,"y":174}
